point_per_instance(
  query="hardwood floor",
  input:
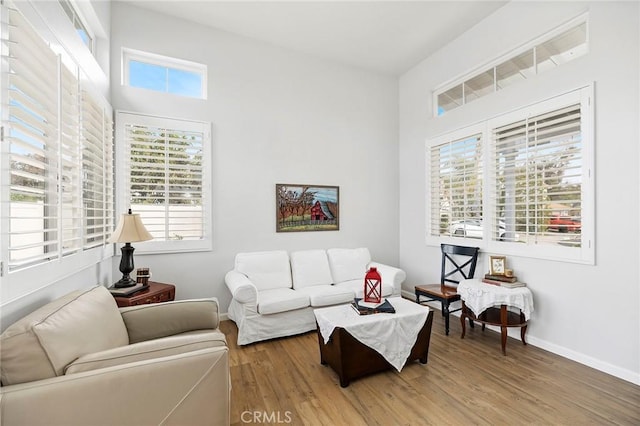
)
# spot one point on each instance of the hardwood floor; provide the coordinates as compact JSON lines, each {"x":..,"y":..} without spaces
{"x":466,"y":381}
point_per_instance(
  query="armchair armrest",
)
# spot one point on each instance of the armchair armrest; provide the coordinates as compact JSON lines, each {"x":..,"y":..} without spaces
{"x":167,"y":390}
{"x":241,"y":287}
{"x":392,"y":275}
{"x":146,"y":322}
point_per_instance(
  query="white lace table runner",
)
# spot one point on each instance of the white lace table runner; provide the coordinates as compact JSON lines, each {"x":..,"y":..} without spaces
{"x":479,"y":296}
{"x":391,"y":335}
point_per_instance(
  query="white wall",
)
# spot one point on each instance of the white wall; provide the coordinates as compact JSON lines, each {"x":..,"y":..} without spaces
{"x":587,"y":313}
{"x":278,"y":117}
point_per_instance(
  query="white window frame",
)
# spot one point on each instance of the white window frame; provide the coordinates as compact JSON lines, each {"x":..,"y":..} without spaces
{"x":586,"y":253}
{"x":123,"y":202}
{"x":67,"y":135}
{"x":167,"y":62}
{"x":491,"y":65}
{"x":77,"y":17}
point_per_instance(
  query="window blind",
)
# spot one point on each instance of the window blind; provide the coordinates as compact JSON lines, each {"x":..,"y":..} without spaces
{"x":97,"y":172}
{"x":70,"y":206}
{"x":57,"y":161}
{"x":538,"y":172}
{"x":456,"y":187}
{"x":32,"y":136}
{"x":166,"y":171}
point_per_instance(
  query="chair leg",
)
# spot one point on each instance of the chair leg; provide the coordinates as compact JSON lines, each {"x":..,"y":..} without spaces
{"x":445,"y":313}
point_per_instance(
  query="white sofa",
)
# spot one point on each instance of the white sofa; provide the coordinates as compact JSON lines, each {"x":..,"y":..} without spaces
{"x":274,"y":293}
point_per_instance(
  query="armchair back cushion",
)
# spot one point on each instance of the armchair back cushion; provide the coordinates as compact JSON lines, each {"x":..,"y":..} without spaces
{"x":348,"y":264}
{"x":43,"y":343}
{"x":310,"y":268}
{"x":267,"y":270}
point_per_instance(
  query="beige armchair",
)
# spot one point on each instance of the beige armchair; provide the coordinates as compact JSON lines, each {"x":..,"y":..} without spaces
{"x":81,"y":360}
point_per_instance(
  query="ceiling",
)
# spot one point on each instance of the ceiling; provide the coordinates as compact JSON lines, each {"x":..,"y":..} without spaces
{"x":386,"y":37}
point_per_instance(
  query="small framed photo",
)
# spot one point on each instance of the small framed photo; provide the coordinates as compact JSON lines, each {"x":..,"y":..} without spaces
{"x":497,"y":265}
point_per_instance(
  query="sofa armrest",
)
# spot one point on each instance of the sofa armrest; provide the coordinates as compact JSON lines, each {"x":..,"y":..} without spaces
{"x":390,"y":274}
{"x":146,"y":322}
{"x":190,"y":388}
{"x":241,"y":287}
{"x":148,"y":350}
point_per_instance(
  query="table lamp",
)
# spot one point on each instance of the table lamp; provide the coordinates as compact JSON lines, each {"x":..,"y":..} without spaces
{"x":129,"y":230}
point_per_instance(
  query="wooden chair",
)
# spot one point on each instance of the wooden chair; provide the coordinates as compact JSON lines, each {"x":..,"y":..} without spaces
{"x":458,"y":263}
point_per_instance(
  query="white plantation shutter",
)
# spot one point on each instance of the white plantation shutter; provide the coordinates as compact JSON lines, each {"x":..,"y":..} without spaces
{"x":33,"y":144}
{"x":538,"y":170}
{"x":45,"y":151}
{"x":165,"y":179}
{"x":109,"y":169}
{"x":541,"y":170}
{"x":97,"y":172}
{"x":70,"y":177}
{"x":455,"y":184}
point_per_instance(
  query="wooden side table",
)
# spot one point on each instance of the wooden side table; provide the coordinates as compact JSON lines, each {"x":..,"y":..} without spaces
{"x":488,"y":304}
{"x":499,"y":316}
{"x":155,"y":293}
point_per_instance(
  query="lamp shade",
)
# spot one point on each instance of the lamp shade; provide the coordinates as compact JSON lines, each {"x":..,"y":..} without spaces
{"x":130,"y":229}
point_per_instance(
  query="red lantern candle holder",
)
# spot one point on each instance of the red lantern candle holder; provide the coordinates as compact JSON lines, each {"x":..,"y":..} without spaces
{"x":372,"y":286}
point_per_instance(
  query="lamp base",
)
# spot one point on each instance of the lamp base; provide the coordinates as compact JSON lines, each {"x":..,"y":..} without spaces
{"x":125,"y":281}
{"x":127,"y":291}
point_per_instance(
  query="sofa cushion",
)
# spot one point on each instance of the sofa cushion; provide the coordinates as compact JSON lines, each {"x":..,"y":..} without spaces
{"x":310,"y":268}
{"x":357,"y":287}
{"x":327,"y":295}
{"x":148,"y":350}
{"x":266,"y":270}
{"x":348,"y":264}
{"x":43,"y":343}
{"x":281,"y":300}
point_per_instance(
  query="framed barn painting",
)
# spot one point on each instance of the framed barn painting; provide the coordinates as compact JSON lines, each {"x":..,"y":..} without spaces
{"x":307,"y":208}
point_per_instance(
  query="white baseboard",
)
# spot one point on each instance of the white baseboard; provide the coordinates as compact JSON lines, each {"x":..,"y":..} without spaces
{"x":564,"y":352}
{"x":223,"y":317}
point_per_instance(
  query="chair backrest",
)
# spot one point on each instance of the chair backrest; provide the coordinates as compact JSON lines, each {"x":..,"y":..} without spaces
{"x":458,"y":263}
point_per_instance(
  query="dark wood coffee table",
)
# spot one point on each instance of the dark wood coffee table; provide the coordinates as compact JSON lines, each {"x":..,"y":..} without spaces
{"x":351,"y":359}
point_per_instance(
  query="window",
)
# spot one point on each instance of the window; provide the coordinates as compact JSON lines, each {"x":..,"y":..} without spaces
{"x":52,"y":145}
{"x":521,"y":182}
{"x":165,"y":178}
{"x":455,"y":165}
{"x":80,"y":28}
{"x":164,"y":74}
{"x":560,"y":46}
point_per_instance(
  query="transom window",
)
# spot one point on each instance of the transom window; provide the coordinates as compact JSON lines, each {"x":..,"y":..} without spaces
{"x":558,"y":47}
{"x":164,"y":74}
{"x":81,"y":29}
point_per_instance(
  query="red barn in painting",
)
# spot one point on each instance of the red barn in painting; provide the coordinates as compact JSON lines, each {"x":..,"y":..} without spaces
{"x":320,"y":211}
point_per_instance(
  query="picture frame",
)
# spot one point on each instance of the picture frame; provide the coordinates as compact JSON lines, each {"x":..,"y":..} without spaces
{"x":497,"y":265}
{"x":303,"y":208}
